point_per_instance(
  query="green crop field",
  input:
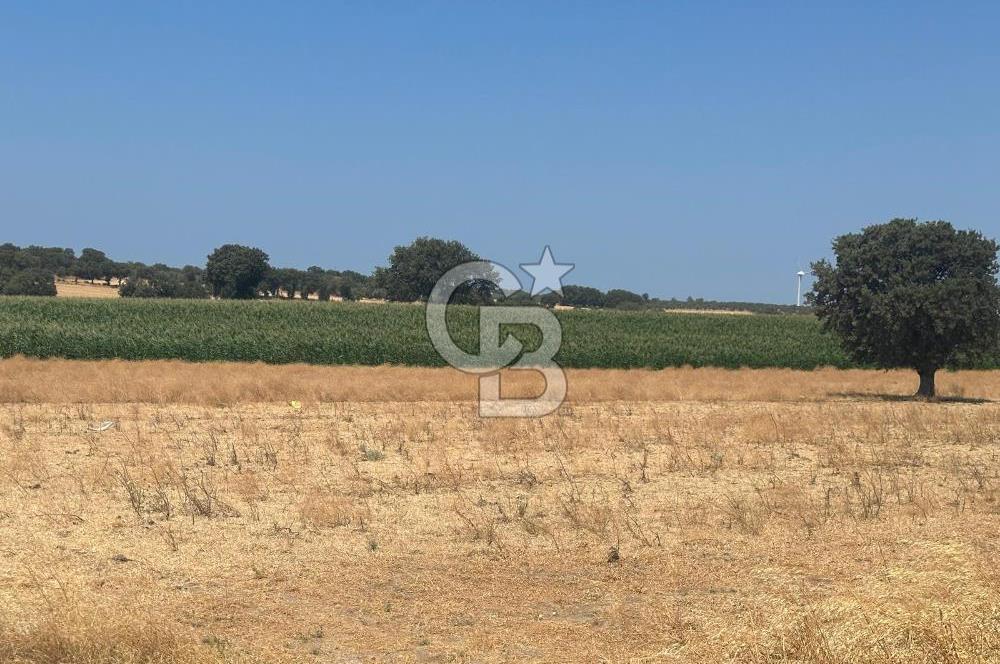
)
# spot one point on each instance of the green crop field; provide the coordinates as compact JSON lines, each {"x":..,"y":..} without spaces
{"x":350,"y":333}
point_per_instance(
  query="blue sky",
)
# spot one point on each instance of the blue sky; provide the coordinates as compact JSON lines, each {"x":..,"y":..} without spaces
{"x":674,"y":148}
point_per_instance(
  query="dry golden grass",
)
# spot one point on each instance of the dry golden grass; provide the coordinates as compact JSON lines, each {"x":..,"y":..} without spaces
{"x":708,"y":521}
{"x":64,"y":634}
{"x":24,"y":380}
{"x":85,"y":289}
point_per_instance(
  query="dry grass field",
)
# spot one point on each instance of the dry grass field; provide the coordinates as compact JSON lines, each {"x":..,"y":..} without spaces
{"x":85,"y":289}
{"x":676,"y":516}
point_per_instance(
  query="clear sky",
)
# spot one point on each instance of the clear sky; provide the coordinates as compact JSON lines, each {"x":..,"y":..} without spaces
{"x":674,"y":148}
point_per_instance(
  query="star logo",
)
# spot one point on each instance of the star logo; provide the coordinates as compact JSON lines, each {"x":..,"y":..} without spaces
{"x":546,"y":274}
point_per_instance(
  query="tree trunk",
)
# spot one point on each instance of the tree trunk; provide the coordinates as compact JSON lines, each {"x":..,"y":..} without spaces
{"x":926,"y":389}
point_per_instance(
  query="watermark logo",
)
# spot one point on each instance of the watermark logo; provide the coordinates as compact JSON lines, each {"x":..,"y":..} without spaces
{"x":495,"y":354}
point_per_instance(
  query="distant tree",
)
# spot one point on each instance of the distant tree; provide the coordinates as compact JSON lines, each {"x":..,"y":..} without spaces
{"x":56,"y":260}
{"x":549,"y":299}
{"x":33,"y":281}
{"x":234,"y":271}
{"x":326,"y":283}
{"x":909,"y":294}
{"x":191,"y":283}
{"x":294,"y":282}
{"x":287,"y":281}
{"x":114,"y":270}
{"x":136,"y":286}
{"x":350,"y":284}
{"x":269,"y":283}
{"x":415,"y":268}
{"x":522,"y":299}
{"x":64,"y":266}
{"x":583,"y":296}
{"x":8,"y":253}
{"x":314,"y":280}
{"x":623,"y":299}
{"x":164,"y":281}
{"x":92,"y":264}
{"x":11,"y":262}
{"x":353,"y":276}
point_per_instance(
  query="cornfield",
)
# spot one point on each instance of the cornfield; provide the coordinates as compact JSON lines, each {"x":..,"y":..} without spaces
{"x":372,"y":334}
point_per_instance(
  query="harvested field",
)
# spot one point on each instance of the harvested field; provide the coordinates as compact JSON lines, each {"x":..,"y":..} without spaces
{"x":700,"y":515}
{"x":84,"y":289}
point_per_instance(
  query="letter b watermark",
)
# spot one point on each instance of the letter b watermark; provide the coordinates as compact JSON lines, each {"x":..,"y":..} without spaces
{"x":494,"y":355}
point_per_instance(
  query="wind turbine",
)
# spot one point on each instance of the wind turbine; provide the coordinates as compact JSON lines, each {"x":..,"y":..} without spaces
{"x":798,"y":292}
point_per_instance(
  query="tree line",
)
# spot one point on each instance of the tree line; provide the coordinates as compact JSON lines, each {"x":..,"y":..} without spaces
{"x":234,"y":271}
{"x":239,"y":272}
{"x":33,"y":270}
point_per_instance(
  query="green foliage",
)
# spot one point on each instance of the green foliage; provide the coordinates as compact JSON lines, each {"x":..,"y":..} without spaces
{"x":30,"y":271}
{"x":372,"y":334}
{"x":909,"y":294}
{"x":92,"y":264}
{"x":32,"y":281}
{"x":415,"y":268}
{"x":52,"y":259}
{"x":583,"y":296}
{"x":289,"y":283}
{"x":623,"y":299}
{"x":167,"y":282}
{"x":592,"y":298}
{"x":235,"y":271}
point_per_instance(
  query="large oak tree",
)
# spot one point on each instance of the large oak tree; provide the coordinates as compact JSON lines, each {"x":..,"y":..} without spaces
{"x":910,"y":294}
{"x":415,"y":268}
{"x":235,"y":271}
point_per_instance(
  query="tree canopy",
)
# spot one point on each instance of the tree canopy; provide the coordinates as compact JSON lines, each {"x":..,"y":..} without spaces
{"x":163,"y":281}
{"x":31,"y":270}
{"x":415,"y":268}
{"x":235,"y":271}
{"x":910,"y":294}
{"x":33,"y":281}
